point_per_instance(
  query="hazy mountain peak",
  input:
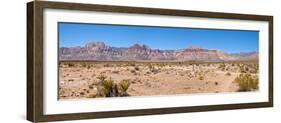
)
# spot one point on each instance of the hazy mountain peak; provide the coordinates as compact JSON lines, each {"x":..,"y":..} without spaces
{"x":95,"y":44}
{"x":136,"y":46}
{"x":145,"y":46}
{"x":100,"y":51}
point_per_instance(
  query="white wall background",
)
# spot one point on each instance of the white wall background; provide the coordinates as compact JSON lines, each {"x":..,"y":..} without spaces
{"x":13,"y":60}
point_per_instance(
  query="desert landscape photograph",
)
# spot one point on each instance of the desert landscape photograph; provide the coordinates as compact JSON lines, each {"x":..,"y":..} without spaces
{"x":102,"y":61}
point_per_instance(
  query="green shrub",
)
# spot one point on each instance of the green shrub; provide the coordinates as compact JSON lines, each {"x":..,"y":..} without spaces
{"x":246,"y":82}
{"x":123,"y":87}
{"x":108,"y":88}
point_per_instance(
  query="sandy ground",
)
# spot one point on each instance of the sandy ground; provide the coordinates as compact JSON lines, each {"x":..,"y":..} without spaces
{"x":79,"y":79}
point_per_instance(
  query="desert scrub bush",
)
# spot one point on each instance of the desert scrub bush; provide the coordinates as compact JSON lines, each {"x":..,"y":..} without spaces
{"x":255,"y":70}
{"x":150,"y":66}
{"x":123,"y":87}
{"x":70,"y":64}
{"x":201,"y":78}
{"x":137,"y":68}
{"x":216,"y":83}
{"x":132,"y":64}
{"x":222,"y":66}
{"x":84,"y":65}
{"x":108,"y":88}
{"x":246,"y":82}
{"x":227,"y":68}
{"x":91,"y":86}
{"x":161,"y":65}
{"x":244,"y":69}
{"x":228,"y":74}
{"x":101,"y":77}
{"x":82,"y":93}
{"x":106,"y":65}
{"x":133,"y":71}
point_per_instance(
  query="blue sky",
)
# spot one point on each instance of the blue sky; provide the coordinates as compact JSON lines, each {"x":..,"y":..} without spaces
{"x":231,"y":41}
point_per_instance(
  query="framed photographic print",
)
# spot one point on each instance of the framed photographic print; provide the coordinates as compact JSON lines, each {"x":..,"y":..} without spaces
{"x":97,"y":61}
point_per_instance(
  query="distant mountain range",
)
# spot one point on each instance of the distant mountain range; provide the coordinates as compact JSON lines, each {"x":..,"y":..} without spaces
{"x":101,"y":52}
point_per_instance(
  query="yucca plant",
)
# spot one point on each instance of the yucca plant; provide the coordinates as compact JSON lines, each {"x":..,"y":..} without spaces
{"x":101,"y":77}
{"x":123,"y":87}
{"x":246,"y":82}
{"x":109,"y":88}
{"x":100,"y":88}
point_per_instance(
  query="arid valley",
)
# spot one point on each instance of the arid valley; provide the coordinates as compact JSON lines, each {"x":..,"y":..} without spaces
{"x":91,"y":79}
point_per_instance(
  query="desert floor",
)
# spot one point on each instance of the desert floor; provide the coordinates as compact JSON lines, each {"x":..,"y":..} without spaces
{"x":78,"y":80}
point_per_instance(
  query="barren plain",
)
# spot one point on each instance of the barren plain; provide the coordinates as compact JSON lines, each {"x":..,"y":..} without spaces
{"x":98,"y":79}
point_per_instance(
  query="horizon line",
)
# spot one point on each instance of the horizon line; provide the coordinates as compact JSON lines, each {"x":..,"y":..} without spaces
{"x":142,"y":44}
